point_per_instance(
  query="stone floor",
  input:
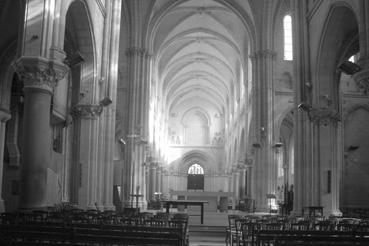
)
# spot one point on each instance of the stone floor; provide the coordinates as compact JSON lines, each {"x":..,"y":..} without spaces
{"x":211,"y":233}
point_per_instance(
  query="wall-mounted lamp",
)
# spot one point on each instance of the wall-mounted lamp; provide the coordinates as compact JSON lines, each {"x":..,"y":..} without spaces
{"x":278,"y":145}
{"x":308,"y":85}
{"x":304,"y":106}
{"x":121,"y":141}
{"x":349,"y":68}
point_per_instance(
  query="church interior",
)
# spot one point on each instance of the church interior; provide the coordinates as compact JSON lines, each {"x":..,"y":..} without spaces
{"x":253,"y":110}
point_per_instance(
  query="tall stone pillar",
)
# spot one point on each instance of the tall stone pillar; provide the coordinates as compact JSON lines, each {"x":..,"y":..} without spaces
{"x":4,"y":117}
{"x":248,"y":177}
{"x":327,"y":135}
{"x":152,"y":181}
{"x":159,"y":177}
{"x":236,"y":182}
{"x":362,"y":77}
{"x":85,"y":186}
{"x":363,"y":19}
{"x":140,"y":69}
{"x":303,"y":129}
{"x":243,"y":182}
{"x":39,"y":76}
{"x":107,"y":120}
{"x":263,"y":60}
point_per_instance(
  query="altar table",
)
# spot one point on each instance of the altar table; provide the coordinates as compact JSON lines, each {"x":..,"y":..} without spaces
{"x":187,"y":202}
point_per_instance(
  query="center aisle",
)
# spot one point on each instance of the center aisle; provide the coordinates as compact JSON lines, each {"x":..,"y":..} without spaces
{"x":211,"y":233}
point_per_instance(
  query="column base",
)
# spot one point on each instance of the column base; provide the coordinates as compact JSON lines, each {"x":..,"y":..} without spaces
{"x":142,"y":204}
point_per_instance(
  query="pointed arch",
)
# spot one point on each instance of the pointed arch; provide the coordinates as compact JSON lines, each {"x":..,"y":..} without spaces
{"x":331,"y":46}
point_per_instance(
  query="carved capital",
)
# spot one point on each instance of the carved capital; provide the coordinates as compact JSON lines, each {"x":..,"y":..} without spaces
{"x":5,"y":115}
{"x":137,"y":51}
{"x":324,"y":116}
{"x":362,"y":80}
{"x":39,"y":72}
{"x":87,"y":111}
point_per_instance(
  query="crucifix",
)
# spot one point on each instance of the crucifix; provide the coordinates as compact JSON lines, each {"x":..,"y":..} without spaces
{"x":137,"y":195}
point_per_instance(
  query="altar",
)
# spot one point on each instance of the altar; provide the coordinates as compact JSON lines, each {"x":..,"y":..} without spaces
{"x":214,"y":198}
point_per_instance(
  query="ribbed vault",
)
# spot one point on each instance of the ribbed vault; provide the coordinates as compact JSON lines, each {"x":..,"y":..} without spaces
{"x":200,"y":57}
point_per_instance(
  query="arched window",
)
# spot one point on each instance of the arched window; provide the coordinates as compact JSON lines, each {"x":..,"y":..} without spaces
{"x":287,"y":31}
{"x":196,"y":169}
{"x":195,"y":178}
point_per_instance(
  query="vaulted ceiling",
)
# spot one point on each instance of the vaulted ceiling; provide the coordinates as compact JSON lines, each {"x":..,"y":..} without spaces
{"x":200,"y":54}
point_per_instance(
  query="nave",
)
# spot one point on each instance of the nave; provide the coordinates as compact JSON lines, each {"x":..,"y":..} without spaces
{"x":115,"y":105}
{"x":71,"y":226}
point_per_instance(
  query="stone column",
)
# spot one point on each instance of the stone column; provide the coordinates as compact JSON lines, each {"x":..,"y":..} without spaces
{"x":236,"y":184}
{"x":86,"y":174}
{"x":263,"y":60}
{"x":140,"y":68}
{"x":302,"y":130}
{"x":4,"y":117}
{"x":107,"y":121}
{"x":243,"y":179}
{"x":159,"y":177}
{"x":152,"y":181}
{"x":248,"y":177}
{"x":363,"y":21}
{"x":39,"y":76}
{"x":327,"y":135}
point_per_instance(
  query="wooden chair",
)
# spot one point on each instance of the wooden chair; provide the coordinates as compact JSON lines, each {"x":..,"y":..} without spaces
{"x":231,"y":234}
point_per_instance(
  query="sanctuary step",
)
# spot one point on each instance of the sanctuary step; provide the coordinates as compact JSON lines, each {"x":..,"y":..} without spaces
{"x":200,"y":235}
{"x":210,"y":218}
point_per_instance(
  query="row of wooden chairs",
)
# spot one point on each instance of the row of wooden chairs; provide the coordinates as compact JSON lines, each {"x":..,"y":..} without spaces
{"x":99,"y":228}
{"x":243,"y":230}
{"x":88,"y":235}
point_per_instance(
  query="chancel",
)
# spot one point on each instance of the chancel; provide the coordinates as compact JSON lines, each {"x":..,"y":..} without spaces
{"x":141,"y":122}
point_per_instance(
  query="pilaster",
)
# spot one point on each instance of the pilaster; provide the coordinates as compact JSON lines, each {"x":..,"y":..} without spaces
{"x":4,"y":117}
